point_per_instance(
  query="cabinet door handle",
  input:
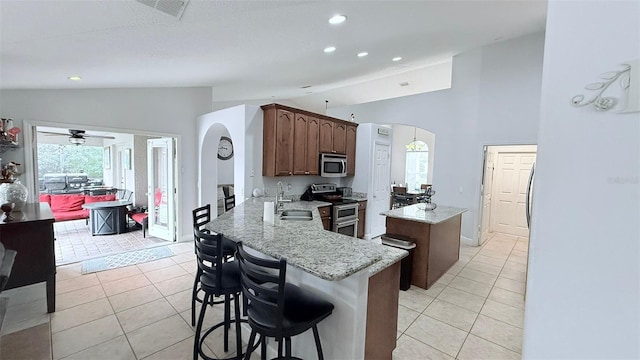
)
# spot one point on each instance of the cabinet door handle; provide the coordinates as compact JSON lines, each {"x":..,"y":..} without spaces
{"x":306,"y":173}
{"x":290,"y":173}
{"x":333,"y":151}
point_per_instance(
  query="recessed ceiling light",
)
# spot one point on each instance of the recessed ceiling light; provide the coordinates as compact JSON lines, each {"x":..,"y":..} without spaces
{"x":337,"y":19}
{"x":330,"y":49}
{"x":397,"y":58}
{"x":363,"y":54}
{"x":75,"y":78}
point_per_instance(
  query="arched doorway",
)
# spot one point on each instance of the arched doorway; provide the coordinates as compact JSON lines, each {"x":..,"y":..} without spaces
{"x":216,"y":167}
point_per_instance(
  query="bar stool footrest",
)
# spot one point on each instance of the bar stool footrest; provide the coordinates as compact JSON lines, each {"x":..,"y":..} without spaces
{"x":209,"y":331}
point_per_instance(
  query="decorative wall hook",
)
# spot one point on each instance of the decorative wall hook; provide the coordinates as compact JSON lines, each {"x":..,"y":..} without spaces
{"x":599,"y":101}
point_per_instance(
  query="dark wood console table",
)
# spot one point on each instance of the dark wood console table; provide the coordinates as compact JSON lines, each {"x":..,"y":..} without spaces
{"x":31,"y":235}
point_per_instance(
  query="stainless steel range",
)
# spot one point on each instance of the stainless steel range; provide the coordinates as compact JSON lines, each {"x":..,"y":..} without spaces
{"x":344,"y":219}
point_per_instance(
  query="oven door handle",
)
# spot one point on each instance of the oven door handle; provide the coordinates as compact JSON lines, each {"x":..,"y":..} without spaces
{"x":346,"y":221}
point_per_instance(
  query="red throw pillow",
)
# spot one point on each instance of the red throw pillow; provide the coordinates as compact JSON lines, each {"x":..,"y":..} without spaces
{"x":45,"y":198}
{"x":71,"y":202}
{"x":97,"y":198}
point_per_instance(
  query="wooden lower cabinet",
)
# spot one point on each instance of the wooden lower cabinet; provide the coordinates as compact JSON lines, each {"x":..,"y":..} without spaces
{"x":325,"y":215}
{"x":362,"y":216}
{"x":382,"y":313}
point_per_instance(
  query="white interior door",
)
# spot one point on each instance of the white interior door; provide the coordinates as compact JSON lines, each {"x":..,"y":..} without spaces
{"x":508,"y":214}
{"x":487,"y":189}
{"x":381,"y":181}
{"x":161,"y":189}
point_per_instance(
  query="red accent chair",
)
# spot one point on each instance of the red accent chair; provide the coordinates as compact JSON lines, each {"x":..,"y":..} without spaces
{"x":142,"y":218}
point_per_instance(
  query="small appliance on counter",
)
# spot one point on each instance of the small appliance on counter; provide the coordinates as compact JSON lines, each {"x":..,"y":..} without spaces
{"x":344,"y":219}
{"x":345,"y":191}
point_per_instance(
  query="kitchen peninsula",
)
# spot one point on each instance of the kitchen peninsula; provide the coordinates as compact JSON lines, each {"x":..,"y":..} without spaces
{"x":437,"y":237}
{"x":361,"y":278}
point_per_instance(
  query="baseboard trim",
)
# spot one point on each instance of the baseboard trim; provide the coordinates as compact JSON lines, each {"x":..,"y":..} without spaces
{"x":468,"y":241}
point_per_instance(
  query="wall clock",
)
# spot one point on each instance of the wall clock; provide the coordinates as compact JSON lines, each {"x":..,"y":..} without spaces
{"x":225,"y":148}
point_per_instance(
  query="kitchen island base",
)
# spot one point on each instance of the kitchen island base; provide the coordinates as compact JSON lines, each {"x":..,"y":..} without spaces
{"x":382,"y":314}
{"x":437,"y":246}
{"x":364,"y":321}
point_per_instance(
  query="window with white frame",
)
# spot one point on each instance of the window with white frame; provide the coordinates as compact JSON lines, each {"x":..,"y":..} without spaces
{"x":417,"y":165}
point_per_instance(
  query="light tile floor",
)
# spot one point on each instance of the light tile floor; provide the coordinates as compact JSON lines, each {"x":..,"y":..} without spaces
{"x":475,"y":311}
{"x":74,"y":242}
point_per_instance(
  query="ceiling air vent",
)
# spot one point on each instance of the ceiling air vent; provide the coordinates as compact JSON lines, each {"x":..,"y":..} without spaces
{"x":172,"y":7}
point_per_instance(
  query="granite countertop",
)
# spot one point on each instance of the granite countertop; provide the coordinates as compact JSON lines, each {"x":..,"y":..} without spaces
{"x":305,"y":244}
{"x":413,"y":213}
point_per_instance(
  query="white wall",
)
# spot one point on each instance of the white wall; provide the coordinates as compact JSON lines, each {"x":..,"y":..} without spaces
{"x":402,"y":136}
{"x":161,"y":111}
{"x":139,"y":166}
{"x":583,"y":292}
{"x":112,"y":175}
{"x":494,"y":99}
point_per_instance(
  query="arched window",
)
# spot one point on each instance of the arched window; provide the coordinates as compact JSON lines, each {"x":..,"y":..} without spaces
{"x":417,"y":165}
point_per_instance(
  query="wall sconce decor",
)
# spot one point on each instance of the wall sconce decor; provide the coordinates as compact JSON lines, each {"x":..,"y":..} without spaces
{"x":629,"y":80}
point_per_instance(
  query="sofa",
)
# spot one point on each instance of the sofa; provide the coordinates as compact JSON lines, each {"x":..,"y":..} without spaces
{"x":69,"y":206}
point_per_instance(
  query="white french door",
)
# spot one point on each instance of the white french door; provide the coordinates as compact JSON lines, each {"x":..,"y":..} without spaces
{"x":161,"y":188}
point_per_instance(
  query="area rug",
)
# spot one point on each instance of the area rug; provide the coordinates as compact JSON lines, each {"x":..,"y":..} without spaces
{"x":125,"y":259}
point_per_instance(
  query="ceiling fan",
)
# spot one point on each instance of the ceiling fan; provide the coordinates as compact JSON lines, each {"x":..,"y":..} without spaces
{"x":77,"y":137}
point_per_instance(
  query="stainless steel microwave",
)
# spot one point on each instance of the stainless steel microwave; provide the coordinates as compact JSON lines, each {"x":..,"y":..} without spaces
{"x":333,"y":165}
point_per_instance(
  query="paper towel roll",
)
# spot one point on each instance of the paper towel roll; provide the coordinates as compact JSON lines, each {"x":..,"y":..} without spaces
{"x":267,"y":216}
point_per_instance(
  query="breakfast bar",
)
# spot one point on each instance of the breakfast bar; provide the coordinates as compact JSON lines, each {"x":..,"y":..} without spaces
{"x":436,"y":234}
{"x":361,"y":278}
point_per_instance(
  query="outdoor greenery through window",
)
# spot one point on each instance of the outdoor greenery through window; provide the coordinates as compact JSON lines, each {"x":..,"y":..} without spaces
{"x":70,"y":159}
{"x":417,"y":165}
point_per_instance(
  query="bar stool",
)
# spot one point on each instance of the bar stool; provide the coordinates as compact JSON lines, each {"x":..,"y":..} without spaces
{"x":202,"y":216}
{"x":217,"y":279}
{"x":275,"y":308}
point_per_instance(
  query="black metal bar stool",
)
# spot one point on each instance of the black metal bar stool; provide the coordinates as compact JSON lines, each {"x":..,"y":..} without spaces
{"x":275,"y":308}
{"x":217,"y":279}
{"x":201,"y":216}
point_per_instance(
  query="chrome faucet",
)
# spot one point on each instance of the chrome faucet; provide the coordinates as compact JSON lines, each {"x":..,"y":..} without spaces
{"x":279,"y":197}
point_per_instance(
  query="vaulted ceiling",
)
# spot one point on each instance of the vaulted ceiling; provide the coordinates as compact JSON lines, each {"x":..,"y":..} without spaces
{"x":245,"y":49}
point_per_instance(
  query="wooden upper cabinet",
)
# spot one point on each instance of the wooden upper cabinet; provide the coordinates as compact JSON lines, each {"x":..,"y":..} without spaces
{"x":277,"y":142}
{"x":293,"y":140}
{"x":313,"y":133}
{"x":305,"y":145}
{"x":339,"y":138}
{"x":300,"y":144}
{"x":284,"y":142}
{"x":351,"y":150}
{"x":326,"y":136}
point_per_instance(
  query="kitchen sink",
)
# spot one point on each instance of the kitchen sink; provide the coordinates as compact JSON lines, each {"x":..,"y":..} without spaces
{"x":304,"y":215}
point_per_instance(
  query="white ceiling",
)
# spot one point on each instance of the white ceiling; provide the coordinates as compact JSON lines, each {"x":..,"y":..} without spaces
{"x":244,"y":49}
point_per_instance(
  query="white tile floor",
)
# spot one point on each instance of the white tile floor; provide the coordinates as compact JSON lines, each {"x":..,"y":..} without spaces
{"x":475,"y":311}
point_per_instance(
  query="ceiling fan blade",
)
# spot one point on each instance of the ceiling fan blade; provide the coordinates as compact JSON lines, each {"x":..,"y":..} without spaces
{"x":98,"y":136}
{"x":48,"y":133}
